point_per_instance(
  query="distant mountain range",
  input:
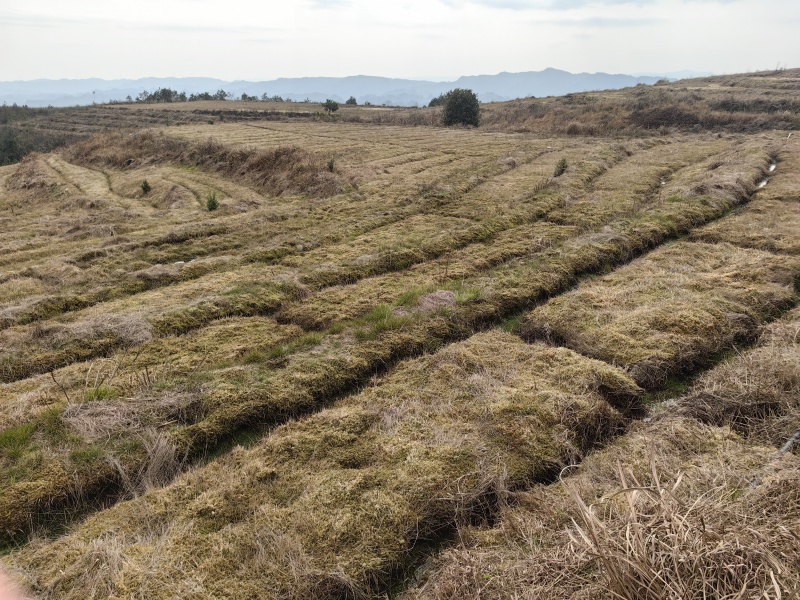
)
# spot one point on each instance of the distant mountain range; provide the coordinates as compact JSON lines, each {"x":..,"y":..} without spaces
{"x":376,"y":90}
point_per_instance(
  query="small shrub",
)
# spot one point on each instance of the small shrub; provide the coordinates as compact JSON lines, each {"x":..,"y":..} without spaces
{"x":351,"y":101}
{"x":461,"y":108}
{"x":439,"y":100}
{"x":330,"y":165}
{"x":574,"y":129}
{"x":146,"y":187}
{"x":330,"y":106}
{"x":211,"y":201}
{"x":561,"y":167}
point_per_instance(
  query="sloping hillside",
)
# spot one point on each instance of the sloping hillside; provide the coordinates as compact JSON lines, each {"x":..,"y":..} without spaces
{"x":316,"y":357}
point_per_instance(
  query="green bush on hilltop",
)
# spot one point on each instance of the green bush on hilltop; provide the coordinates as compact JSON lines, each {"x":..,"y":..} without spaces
{"x":461,"y":107}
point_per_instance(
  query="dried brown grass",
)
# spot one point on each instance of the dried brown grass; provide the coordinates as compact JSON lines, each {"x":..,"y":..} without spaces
{"x":756,"y":392}
{"x":672,"y":310}
{"x":665,"y":511}
{"x":766,"y":224}
{"x":664,"y":546}
{"x":31,"y":173}
{"x":332,"y":505}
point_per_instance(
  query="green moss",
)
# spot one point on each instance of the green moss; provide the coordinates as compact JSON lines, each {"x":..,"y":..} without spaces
{"x":101,"y":393}
{"x":87,"y":455}
{"x":511,"y":324}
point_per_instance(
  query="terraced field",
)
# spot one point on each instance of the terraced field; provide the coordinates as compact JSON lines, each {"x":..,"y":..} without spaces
{"x":365,"y":372}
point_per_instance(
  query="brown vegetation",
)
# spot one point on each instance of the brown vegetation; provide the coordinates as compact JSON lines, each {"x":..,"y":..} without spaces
{"x":286,"y":169}
{"x":667,"y":511}
{"x":757,"y":392}
{"x":353,"y":489}
{"x":326,"y":319}
{"x":671,"y":311}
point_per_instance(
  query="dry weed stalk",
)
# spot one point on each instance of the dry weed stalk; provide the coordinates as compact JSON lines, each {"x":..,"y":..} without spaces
{"x":654,"y":545}
{"x":161,"y":466}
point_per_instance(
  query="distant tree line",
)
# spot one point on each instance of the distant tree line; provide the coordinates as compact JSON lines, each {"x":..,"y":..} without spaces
{"x":162,"y":95}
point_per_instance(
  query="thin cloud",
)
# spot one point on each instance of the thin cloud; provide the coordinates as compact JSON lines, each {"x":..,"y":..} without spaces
{"x":49,"y":21}
{"x":521,"y":5}
{"x":601,"y":22}
{"x":328,"y":4}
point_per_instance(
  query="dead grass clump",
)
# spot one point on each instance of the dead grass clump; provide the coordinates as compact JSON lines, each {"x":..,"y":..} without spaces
{"x":436,"y":300}
{"x":159,"y":468}
{"x":757,"y":393}
{"x":670,"y":311}
{"x":159,"y":274}
{"x":129,"y":329}
{"x":31,"y":174}
{"x":665,"y":511}
{"x":334,"y":503}
{"x":281,"y":170}
{"x":176,"y":197}
{"x":45,"y":346}
{"x":662,"y":547}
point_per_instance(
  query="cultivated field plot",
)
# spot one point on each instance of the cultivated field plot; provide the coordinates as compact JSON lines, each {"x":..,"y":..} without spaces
{"x":668,"y":490}
{"x":376,"y":338}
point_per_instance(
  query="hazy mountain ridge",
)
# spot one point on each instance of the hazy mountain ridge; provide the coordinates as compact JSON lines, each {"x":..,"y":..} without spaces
{"x":376,"y":90}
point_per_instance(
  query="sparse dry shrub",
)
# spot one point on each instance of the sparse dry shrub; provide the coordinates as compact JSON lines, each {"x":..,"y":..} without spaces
{"x":665,"y":116}
{"x":575,"y":128}
{"x":650,"y":110}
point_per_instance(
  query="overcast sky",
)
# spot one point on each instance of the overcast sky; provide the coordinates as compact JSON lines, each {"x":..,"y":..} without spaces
{"x":426,"y":39}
